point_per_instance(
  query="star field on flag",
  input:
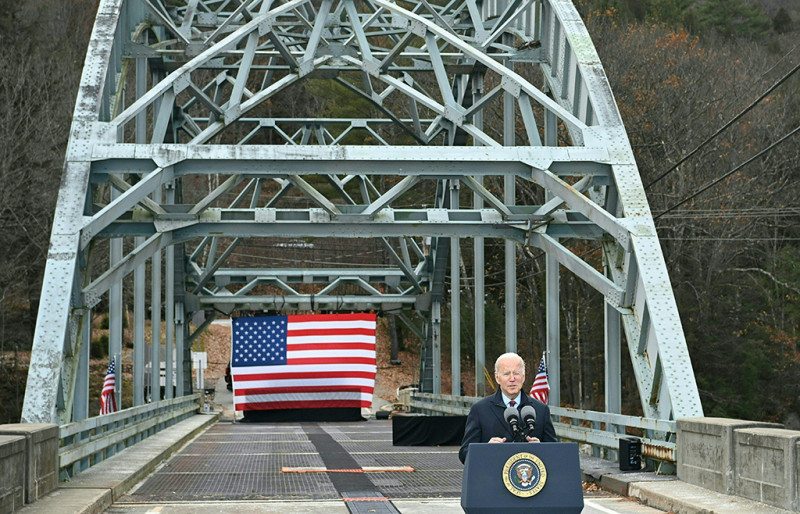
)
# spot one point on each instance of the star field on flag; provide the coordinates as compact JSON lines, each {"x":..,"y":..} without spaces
{"x":303,"y":361}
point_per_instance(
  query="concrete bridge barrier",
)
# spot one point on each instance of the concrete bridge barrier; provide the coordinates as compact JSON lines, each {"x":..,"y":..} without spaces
{"x":766,"y":466}
{"x":38,"y":469}
{"x":754,"y":460}
{"x":12,"y":482}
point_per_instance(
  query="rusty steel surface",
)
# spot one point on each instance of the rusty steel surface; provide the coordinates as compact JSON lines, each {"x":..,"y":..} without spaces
{"x":658,"y":452}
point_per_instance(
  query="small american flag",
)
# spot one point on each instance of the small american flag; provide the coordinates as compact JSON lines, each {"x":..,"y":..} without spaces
{"x":541,"y":388}
{"x":108,"y":402}
{"x":297,"y":362}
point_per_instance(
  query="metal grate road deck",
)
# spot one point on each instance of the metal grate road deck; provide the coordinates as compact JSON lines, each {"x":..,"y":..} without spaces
{"x":244,"y":461}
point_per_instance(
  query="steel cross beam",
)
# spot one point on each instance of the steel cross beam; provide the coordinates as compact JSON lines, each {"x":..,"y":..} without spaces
{"x":332,"y":155}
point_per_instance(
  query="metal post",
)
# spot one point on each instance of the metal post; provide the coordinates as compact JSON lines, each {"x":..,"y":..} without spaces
{"x":613,"y":357}
{"x":511,"y":296}
{"x":479,"y":265}
{"x":552,"y":291}
{"x":169,"y":309}
{"x":155,"y":320}
{"x":553,"y":330}
{"x":140,"y":273}
{"x":613,"y":345}
{"x":80,"y":405}
{"x":509,"y":194}
{"x":455,"y":301}
{"x":115,"y":313}
{"x":180,"y":333}
{"x":139,"y":277}
{"x":436,"y":341}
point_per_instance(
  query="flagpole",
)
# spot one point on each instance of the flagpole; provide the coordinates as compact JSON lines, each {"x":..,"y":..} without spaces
{"x":544,"y":360}
{"x":118,"y":380}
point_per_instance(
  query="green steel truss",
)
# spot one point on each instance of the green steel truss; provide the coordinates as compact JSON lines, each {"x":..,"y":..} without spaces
{"x":202,"y":162}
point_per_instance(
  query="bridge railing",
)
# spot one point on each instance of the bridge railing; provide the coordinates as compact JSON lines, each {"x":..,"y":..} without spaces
{"x":603,"y":431}
{"x":90,"y":441}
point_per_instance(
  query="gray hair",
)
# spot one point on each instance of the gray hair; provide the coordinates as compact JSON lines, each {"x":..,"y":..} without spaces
{"x":506,"y":356}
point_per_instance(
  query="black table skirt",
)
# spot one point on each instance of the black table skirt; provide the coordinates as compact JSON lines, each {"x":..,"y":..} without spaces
{"x":427,"y":430}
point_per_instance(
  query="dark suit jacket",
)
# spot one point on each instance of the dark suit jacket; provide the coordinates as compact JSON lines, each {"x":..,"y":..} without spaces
{"x":486,"y":420}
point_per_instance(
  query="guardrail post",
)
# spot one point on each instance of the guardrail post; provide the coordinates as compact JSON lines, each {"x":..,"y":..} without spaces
{"x":596,"y":450}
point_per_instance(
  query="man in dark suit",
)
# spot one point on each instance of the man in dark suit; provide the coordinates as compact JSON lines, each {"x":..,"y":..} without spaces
{"x":486,"y":423}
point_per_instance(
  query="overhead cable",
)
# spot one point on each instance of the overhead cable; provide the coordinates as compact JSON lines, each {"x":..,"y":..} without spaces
{"x":724,"y":127}
{"x":731,"y":172}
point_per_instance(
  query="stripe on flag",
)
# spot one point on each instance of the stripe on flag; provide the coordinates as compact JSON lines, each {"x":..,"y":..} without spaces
{"x":541,"y":388}
{"x":108,"y":401}
{"x":303,"y":361}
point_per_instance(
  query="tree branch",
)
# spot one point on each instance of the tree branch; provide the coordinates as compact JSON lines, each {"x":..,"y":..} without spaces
{"x":771,"y":277}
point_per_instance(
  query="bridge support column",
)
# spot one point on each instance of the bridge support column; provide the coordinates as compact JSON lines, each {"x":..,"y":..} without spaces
{"x":155,"y":320}
{"x":80,"y":404}
{"x":115,"y":313}
{"x":553,"y":330}
{"x":140,"y":273}
{"x":169,"y":308}
{"x":455,"y":302}
{"x":509,"y":197}
{"x":479,"y":264}
{"x":436,"y":345}
{"x":480,"y":318}
{"x":139,"y":278}
{"x":613,"y":360}
{"x":183,"y":376}
{"x":552,"y":287}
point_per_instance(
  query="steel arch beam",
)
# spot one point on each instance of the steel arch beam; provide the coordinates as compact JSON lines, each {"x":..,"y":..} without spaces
{"x":205,"y":76}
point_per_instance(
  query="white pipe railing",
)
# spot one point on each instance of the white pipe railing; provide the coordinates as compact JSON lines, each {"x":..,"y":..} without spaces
{"x":602,"y":430}
{"x":90,"y":441}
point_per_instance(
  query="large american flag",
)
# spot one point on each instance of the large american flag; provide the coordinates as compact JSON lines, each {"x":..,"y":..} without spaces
{"x":108,"y":402}
{"x":297,"y":362}
{"x":541,"y":388}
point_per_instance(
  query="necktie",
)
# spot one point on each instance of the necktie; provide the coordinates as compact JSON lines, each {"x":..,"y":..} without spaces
{"x":512,"y":403}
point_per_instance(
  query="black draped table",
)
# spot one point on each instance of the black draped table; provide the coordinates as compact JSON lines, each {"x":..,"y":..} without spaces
{"x":421,"y":430}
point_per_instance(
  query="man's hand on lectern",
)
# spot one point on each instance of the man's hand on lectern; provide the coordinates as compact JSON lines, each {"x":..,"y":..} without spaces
{"x":532,"y":439}
{"x":498,"y":440}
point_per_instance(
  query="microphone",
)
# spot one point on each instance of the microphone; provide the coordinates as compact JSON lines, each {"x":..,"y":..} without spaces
{"x":512,"y":416}
{"x":529,"y":417}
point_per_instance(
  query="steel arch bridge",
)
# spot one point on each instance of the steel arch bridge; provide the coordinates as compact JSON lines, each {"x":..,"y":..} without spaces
{"x":187,"y":157}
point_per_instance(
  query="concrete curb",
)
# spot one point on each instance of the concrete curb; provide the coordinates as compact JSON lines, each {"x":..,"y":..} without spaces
{"x":98,"y":487}
{"x":83,"y":501}
{"x":666,"y":492}
{"x":682,"y":498}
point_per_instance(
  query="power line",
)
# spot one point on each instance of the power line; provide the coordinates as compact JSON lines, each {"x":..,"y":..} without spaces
{"x":751,"y":239}
{"x":724,"y":127}
{"x":781,"y":212}
{"x":731,"y":172}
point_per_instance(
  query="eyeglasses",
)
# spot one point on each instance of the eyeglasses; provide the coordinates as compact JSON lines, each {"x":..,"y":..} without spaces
{"x":517,"y":374}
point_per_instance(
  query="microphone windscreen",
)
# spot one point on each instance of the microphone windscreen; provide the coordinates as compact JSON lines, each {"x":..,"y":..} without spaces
{"x":511,"y":412}
{"x":528,"y":411}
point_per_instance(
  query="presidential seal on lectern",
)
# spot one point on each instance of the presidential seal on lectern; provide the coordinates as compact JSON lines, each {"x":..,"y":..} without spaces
{"x":524,"y":474}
